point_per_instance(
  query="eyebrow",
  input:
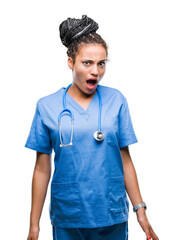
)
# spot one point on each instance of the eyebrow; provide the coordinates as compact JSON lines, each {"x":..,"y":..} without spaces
{"x":85,"y":59}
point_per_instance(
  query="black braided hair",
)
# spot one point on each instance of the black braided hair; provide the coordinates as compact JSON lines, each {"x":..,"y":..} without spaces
{"x":74,"y":32}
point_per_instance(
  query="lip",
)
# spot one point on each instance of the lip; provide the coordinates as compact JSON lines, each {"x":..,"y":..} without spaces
{"x":91,"y":87}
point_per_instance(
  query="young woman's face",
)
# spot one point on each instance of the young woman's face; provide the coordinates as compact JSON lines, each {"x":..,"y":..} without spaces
{"x":89,"y":67}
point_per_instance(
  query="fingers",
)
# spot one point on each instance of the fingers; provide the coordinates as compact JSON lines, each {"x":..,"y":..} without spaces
{"x":149,"y":237}
{"x":143,"y":221}
{"x":33,"y":233}
{"x":148,"y":234}
{"x":151,"y":234}
{"x":32,"y":237}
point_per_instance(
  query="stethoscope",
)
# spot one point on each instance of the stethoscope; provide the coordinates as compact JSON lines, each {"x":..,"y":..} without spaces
{"x":98,"y":135}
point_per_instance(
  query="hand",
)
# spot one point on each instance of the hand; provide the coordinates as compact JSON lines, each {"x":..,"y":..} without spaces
{"x":144,"y":223}
{"x":33,"y":232}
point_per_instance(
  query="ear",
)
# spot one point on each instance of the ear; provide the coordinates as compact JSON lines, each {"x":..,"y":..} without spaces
{"x":70,"y":63}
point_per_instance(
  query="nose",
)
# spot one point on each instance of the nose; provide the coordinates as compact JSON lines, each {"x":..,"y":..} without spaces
{"x":94,"y":70}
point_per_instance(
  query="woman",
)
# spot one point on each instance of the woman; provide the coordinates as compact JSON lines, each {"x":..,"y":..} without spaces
{"x":89,"y":127}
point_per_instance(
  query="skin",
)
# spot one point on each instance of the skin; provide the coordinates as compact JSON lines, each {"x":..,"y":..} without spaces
{"x":90,"y":62}
{"x":132,"y":188}
{"x":40,"y":180}
{"x":82,"y":70}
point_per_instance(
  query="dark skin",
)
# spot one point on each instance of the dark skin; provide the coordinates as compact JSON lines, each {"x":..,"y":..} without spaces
{"x":82,"y":70}
{"x":132,"y":188}
{"x":40,"y":180}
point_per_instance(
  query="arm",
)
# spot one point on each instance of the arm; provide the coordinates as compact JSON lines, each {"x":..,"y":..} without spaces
{"x":40,"y":180}
{"x":132,"y":188}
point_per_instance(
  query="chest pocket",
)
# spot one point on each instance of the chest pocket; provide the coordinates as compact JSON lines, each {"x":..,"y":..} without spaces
{"x":118,"y":201}
{"x":65,"y":201}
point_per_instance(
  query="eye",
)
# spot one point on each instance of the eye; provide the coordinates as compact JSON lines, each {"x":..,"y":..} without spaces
{"x":86,"y":63}
{"x":102,"y":64}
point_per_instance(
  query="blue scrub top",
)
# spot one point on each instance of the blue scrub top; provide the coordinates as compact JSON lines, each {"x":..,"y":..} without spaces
{"x":87,"y":187}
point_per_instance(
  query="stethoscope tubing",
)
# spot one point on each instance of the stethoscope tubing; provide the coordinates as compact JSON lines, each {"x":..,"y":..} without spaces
{"x":65,"y":109}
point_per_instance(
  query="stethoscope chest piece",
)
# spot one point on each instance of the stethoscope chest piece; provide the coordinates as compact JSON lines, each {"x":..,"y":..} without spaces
{"x":99,"y":136}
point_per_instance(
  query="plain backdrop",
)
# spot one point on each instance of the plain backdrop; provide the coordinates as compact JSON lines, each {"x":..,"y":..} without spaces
{"x":146,"y":64}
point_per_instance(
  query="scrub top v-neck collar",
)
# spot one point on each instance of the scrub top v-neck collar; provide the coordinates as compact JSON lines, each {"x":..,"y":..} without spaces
{"x":78,"y":107}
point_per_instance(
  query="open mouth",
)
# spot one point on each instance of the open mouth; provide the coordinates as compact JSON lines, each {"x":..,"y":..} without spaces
{"x":91,"y":82}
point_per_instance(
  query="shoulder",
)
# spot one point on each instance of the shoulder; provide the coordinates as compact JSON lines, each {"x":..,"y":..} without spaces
{"x":50,"y":99}
{"x":49,"y":104}
{"x":112,"y":93}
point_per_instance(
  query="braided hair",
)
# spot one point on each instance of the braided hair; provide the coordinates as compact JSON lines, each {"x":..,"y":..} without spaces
{"x":75,"y":32}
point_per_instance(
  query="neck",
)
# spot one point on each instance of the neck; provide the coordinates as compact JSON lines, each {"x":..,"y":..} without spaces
{"x":74,"y":91}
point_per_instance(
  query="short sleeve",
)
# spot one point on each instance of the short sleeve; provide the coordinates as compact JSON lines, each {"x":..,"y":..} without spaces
{"x":39,"y":136}
{"x":126,"y":132}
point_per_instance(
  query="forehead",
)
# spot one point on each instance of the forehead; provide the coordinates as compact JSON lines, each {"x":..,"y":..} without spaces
{"x":91,"y":51}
